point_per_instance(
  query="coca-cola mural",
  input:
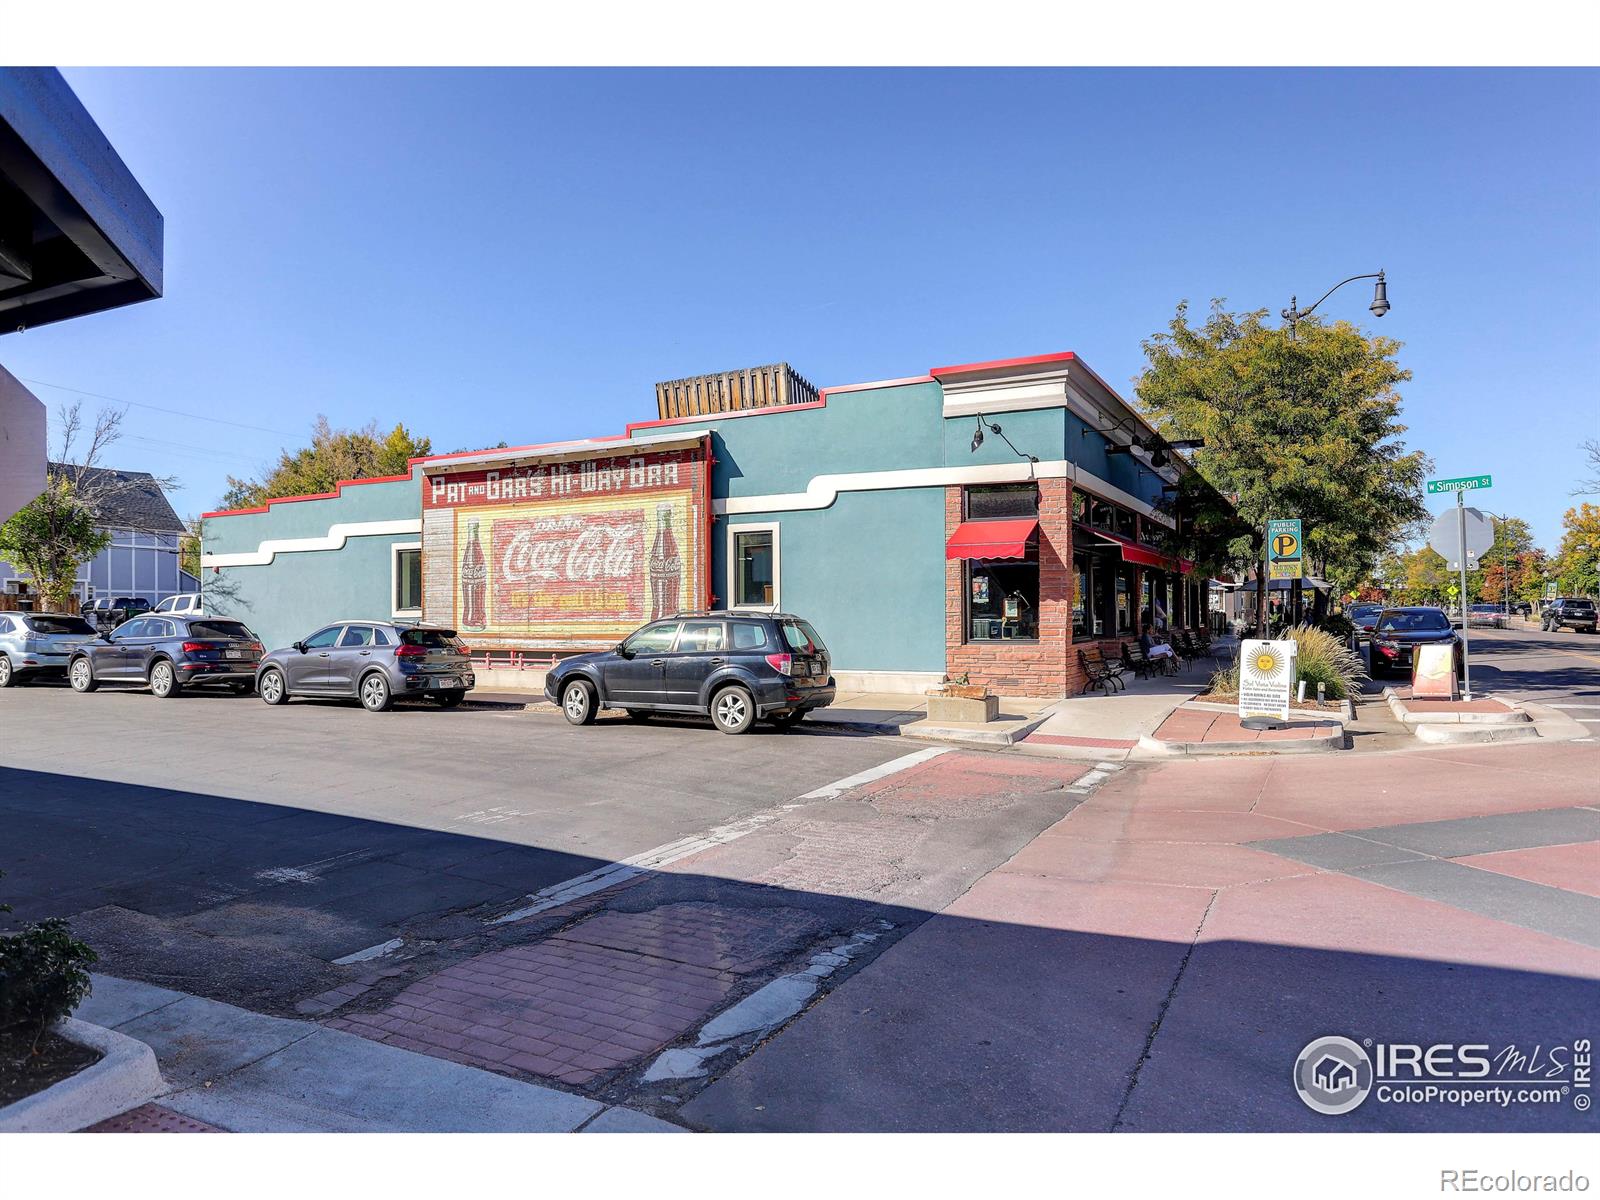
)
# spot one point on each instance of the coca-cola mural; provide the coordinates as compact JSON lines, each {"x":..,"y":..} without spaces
{"x":565,"y":555}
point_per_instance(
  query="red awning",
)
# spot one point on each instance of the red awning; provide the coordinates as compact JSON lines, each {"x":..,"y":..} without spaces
{"x":991,"y":539}
{"x":1132,"y":551}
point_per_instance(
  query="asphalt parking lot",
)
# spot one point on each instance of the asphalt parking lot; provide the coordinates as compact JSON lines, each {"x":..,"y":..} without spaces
{"x":247,"y":846}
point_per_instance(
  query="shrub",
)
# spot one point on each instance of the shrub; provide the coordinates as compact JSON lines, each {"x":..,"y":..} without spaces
{"x":1339,"y":625}
{"x":1320,"y":657}
{"x":43,"y":976}
{"x":1323,"y":657}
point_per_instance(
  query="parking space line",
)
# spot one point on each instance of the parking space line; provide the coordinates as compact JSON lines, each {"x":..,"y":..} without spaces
{"x":625,"y":869}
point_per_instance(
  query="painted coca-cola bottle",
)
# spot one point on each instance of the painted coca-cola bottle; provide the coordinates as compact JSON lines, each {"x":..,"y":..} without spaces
{"x":666,"y":566}
{"x":474,"y":581}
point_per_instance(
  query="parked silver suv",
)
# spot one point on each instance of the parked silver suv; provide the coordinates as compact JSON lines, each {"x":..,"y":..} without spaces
{"x":375,"y":662}
{"x":38,"y":644}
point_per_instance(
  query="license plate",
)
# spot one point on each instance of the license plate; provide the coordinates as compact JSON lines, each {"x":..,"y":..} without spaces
{"x":235,"y":654}
{"x":447,"y":681}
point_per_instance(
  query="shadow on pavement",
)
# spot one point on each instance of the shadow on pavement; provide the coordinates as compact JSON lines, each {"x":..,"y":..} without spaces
{"x":948,"y":1022}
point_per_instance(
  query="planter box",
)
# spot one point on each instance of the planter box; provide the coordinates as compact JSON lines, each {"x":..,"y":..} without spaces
{"x":125,"y":1077}
{"x":962,"y":708}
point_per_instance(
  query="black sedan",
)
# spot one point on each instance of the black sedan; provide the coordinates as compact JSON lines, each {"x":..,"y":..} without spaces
{"x":168,"y":654}
{"x":1400,"y":630}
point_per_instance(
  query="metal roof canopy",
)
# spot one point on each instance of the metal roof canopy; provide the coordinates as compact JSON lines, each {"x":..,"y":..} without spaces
{"x":557,"y":451}
{"x":78,"y":235}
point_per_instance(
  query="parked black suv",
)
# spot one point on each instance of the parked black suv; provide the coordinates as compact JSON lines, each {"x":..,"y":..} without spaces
{"x":108,"y":612}
{"x":169,"y":654}
{"x":1569,"y":613}
{"x":731,"y":666}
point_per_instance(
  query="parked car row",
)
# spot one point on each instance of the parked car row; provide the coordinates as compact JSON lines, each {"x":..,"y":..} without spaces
{"x":1398,"y":632}
{"x":734,"y":667}
{"x":1569,"y":612}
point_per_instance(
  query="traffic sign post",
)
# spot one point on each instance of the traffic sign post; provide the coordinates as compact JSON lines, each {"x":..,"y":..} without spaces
{"x":1464,"y":547}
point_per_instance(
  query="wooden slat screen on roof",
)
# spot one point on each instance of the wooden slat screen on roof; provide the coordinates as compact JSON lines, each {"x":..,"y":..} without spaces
{"x":732,"y":391}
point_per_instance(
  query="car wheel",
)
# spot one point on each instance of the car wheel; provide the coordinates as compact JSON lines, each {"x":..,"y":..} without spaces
{"x":375,"y":694}
{"x":272,"y":688}
{"x":451,"y":698}
{"x":733,"y":710}
{"x":639,"y":715}
{"x":81,"y":676}
{"x":7,"y":675}
{"x":577,"y":703}
{"x":163,"y":681}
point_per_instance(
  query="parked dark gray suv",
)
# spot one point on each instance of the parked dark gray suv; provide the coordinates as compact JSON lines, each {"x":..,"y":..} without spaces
{"x":734,"y":667}
{"x":169,"y":654}
{"x":375,"y":662}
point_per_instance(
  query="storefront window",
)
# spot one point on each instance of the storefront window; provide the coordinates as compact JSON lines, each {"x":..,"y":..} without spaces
{"x":1003,"y":598}
{"x":1003,"y":501}
{"x":1124,"y":602}
{"x":1125,"y":523}
{"x":1080,"y":595}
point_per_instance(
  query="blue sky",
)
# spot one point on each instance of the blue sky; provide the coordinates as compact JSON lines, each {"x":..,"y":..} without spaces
{"x":522,"y":254}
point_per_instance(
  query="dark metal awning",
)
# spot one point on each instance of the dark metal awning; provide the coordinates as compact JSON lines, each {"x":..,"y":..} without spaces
{"x":78,"y":234}
{"x":991,"y":539}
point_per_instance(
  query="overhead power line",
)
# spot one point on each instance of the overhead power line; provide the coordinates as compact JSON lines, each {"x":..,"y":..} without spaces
{"x":177,"y":412}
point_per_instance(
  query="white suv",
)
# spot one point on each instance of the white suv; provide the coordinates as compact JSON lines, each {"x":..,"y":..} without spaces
{"x":184,"y":604}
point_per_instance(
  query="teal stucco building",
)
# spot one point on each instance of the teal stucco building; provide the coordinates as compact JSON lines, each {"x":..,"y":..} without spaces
{"x":986,"y":520}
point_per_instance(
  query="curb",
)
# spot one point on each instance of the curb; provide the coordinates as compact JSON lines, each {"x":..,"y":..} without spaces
{"x":1516,"y":716}
{"x":1314,"y":745}
{"x":1437,"y":734}
{"x":125,"y":1077}
{"x":974,"y":737}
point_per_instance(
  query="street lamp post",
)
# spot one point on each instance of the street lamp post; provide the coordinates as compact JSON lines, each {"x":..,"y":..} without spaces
{"x":1294,"y":314}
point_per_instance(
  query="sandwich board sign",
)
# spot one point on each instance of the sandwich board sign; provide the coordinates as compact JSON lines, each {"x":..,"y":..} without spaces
{"x":1433,"y":672}
{"x":1284,"y":549}
{"x":1266,"y":677}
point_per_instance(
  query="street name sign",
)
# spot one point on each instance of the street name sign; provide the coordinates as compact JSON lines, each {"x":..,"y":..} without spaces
{"x":1284,"y":549}
{"x":1266,"y":676}
{"x":1465,"y":484}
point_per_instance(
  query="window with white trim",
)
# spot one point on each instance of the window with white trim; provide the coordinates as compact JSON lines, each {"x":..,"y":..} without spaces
{"x":753,"y":566}
{"x":406,"y":577}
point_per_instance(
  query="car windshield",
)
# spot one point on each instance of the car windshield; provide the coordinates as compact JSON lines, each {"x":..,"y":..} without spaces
{"x":1414,"y":622}
{"x":802,"y":637}
{"x":220,"y":629}
{"x":430,"y":639}
{"x":60,"y":625}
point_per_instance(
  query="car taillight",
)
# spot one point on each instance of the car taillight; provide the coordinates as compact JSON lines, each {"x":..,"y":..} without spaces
{"x":408,"y":651}
{"x":256,"y":648}
{"x":782,"y":663}
{"x":198,"y":647}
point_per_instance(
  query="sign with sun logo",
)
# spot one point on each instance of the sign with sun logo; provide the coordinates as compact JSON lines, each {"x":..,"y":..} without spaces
{"x":1266,"y":676}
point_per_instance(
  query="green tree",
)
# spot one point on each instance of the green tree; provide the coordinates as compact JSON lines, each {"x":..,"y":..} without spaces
{"x":1303,"y":426}
{"x":1427,"y":576}
{"x":1513,"y":538}
{"x":59,"y":530}
{"x":1574,"y":568}
{"x":334,"y":454}
{"x":50,"y":537}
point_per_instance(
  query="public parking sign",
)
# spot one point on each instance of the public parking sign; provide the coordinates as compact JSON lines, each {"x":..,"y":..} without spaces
{"x":1284,"y":549}
{"x":1465,"y":484}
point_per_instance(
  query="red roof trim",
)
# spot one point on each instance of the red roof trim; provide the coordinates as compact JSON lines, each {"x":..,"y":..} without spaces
{"x":1033,"y":360}
{"x":338,"y":489}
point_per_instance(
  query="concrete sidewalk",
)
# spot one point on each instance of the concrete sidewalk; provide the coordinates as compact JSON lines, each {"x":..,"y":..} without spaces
{"x":239,"y":1071}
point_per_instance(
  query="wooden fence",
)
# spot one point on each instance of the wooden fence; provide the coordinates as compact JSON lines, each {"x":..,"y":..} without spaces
{"x":731,"y":391}
{"x":31,"y":602}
